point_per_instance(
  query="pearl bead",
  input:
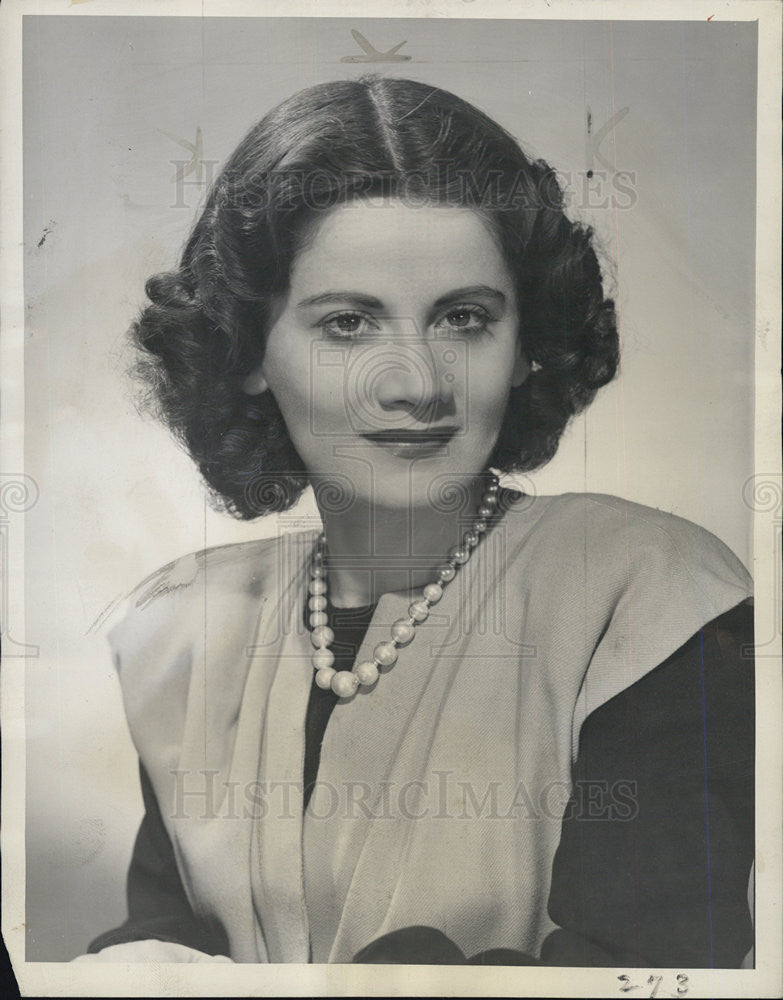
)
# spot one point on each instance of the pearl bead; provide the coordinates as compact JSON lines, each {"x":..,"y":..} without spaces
{"x":385,"y":654}
{"x":402,"y":631}
{"x":322,"y":658}
{"x":367,"y":672}
{"x":323,"y":678}
{"x":345,"y":683}
{"x":322,"y":636}
{"x":419,"y":611}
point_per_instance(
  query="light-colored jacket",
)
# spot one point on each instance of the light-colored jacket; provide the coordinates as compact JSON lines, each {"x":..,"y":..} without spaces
{"x":440,"y":791}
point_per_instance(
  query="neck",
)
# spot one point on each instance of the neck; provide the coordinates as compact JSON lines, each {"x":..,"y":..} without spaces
{"x":376,"y":549}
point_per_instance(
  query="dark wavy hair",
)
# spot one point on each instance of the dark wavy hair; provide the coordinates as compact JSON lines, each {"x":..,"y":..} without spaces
{"x":204,"y":329}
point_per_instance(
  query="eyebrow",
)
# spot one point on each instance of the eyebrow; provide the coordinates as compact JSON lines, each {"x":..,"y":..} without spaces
{"x":465,"y":293}
{"x":359,"y":298}
{"x":370,"y":302}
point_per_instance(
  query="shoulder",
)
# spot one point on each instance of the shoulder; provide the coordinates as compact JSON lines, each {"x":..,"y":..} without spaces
{"x":613,"y":521}
{"x":195,"y":616}
{"x":239,"y":567}
{"x":635,"y":582}
{"x":176,"y":591}
{"x":619,"y":544}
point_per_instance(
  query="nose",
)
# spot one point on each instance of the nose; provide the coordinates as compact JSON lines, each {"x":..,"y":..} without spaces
{"x":415,"y":380}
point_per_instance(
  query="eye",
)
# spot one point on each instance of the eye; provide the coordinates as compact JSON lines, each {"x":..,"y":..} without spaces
{"x":347,"y":325}
{"x":468,"y":319}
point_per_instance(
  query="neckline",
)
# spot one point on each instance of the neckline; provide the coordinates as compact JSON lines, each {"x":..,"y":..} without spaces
{"x":353,"y":609}
{"x":358,"y":616}
{"x":507,"y":498}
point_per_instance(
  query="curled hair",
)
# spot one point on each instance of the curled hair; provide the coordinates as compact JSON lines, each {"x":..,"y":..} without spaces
{"x":205,"y":326}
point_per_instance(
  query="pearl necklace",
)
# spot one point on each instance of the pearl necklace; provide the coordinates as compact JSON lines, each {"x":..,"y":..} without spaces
{"x":345,"y":683}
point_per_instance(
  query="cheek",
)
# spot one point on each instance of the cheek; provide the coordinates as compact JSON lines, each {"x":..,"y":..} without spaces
{"x":287,"y":376}
{"x":308,"y":402}
{"x":488,"y":385}
{"x":491,"y":410}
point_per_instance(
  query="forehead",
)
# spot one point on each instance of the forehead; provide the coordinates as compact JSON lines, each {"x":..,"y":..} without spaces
{"x":383,"y":243}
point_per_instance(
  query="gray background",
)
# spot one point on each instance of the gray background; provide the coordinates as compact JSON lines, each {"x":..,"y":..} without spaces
{"x":105,"y":101}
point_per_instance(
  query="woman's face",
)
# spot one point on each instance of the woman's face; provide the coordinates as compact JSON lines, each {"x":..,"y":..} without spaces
{"x":393,"y":354}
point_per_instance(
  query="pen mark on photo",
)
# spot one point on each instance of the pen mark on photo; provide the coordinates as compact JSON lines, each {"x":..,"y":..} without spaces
{"x":45,"y":233}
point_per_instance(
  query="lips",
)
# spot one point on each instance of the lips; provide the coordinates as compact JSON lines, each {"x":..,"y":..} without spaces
{"x":413,"y":443}
{"x":430,"y":435}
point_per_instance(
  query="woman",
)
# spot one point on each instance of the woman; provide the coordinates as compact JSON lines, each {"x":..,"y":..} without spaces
{"x":461,"y":724}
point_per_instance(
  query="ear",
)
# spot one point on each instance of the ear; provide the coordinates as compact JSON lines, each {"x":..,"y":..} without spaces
{"x":522,"y":367}
{"x":255,"y":383}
